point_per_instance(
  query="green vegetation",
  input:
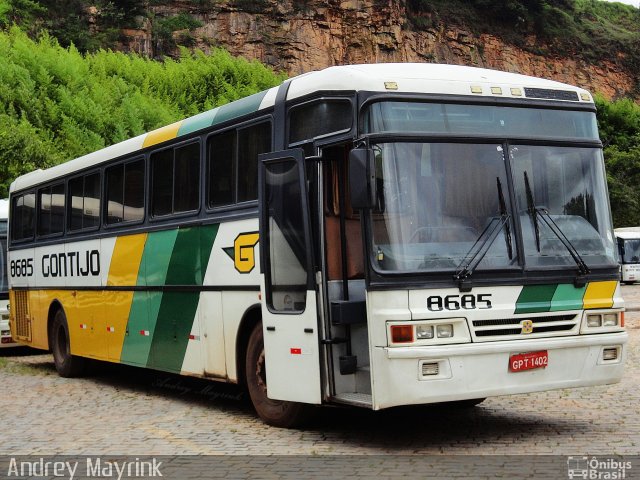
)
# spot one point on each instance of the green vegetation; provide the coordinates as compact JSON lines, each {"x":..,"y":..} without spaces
{"x":619,"y":124}
{"x":589,"y":29}
{"x":57,"y":104}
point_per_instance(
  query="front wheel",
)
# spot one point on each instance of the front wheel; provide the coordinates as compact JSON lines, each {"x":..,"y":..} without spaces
{"x":278,"y":413}
{"x":66,"y":364}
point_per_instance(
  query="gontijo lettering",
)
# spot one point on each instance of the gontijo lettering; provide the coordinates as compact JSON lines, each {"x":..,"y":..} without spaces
{"x":71,"y":264}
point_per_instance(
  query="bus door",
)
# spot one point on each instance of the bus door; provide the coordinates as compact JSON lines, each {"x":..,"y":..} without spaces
{"x":289,"y":309}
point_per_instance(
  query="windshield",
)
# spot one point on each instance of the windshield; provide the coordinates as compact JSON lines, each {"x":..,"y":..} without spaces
{"x":435,"y":200}
{"x":631,"y":252}
{"x":568,"y":183}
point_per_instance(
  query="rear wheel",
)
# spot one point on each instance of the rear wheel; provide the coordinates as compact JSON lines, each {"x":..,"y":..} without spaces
{"x":278,"y":413}
{"x":66,"y":364}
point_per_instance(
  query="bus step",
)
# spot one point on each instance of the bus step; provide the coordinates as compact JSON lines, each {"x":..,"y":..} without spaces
{"x":357,"y":399}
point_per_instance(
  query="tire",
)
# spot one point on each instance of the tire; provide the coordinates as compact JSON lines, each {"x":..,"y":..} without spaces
{"x":67,"y":365}
{"x":278,"y":413}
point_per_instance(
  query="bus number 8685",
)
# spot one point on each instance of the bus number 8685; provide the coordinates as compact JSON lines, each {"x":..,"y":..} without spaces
{"x":436,"y":303}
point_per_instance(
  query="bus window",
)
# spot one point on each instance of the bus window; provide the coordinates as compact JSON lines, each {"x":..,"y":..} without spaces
{"x":233,"y":164}
{"x":251,"y":142}
{"x":319,"y":118}
{"x":175,"y":177}
{"x":84,"y":202}
{"x":23,"y":217}
{"x":125,"y":192}
{"x":51,"y":210}
{"x":222,"y":158}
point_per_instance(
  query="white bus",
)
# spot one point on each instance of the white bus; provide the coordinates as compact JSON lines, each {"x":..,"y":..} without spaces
{"x":368,"y":235}
{"x":5,"y":332}
{"x":629,"y":250}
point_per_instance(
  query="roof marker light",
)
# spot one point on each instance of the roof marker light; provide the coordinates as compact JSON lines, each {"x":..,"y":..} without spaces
{"x":496,"y":90}
{"x":585,"y":97}
{"x":516,"y":92}
{"x":391,"y":85}
{"x":476,"y":89}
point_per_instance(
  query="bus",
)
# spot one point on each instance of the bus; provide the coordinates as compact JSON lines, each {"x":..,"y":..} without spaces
{"x":5,"y":331}
{"x":366,"y":235}
{"x":629,"y":250}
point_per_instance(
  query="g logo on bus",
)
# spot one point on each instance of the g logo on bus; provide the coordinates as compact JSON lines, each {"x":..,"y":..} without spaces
{"x":243,"y":252}
{"x":527,"y":327}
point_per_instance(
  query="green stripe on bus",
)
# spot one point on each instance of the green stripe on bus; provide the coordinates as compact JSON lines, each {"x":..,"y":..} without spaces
{"x":567,"y":297}
{"x":239,"y":108}
{"x":177,"y":310}
{"x":198,"y":122}
{"x":535,"y":298}
{"x":145,"y":305}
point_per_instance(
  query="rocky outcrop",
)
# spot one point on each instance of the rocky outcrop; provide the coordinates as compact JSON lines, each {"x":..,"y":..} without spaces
{"x":298,"y":36}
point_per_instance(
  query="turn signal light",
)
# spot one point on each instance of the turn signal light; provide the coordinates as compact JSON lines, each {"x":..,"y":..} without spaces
{"x":402,"y":333}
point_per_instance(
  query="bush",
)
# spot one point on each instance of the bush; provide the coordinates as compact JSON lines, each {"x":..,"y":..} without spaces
{"x":57,"y":104}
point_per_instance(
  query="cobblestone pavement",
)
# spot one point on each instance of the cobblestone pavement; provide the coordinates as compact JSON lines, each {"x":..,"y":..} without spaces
{"x":122,"y":410}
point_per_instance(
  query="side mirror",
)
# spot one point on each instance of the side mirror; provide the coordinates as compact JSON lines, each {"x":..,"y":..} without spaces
{"x":362,"y":178}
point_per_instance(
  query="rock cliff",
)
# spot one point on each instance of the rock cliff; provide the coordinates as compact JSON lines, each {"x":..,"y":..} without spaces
{"x":298,"y":36}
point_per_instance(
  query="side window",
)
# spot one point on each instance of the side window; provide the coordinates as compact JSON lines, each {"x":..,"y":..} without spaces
{"x":23,"y":218}
{"x":175,"y":180}
{"x":221,"y":158}
{"x":252,"y":141}
{"x":125,"y":192}
{"x":84,"y":202}
{"x":232,"y":166}
{"x":319,"y":118}
{"x":51,"y":210}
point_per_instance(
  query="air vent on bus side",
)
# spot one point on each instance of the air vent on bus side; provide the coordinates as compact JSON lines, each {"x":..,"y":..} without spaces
{"x":23,"y":322}
{"x":547,"y":94}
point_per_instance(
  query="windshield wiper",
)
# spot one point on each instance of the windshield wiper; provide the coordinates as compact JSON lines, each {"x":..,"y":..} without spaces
{"x":483,"y":243}
{"x":541,"y":212}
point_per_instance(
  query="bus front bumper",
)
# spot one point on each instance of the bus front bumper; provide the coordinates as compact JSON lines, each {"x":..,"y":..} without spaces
{"x":478,"y":370}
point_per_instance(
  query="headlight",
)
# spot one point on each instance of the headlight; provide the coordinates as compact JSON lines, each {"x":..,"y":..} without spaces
{"x":602,"y":321}
{"x":445,"y":331}
{"x":428,"y":332}
{"x":594,"y":320}
{"x":610,"y":319}
{"x":424,"y":332}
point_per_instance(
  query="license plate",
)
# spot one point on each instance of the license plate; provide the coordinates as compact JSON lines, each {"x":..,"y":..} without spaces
{"x":528,"y":361}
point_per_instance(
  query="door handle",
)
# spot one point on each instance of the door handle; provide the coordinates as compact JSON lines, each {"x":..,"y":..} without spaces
{"x":308,"y":330}
{"x":271,"y":329}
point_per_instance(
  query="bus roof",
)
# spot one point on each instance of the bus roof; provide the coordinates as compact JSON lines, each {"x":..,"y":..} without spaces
{"x":399,"y":77}
{"x":627,"y":232}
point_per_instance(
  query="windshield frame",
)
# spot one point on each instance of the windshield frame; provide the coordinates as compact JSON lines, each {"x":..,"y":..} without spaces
{"x":511,"y":275}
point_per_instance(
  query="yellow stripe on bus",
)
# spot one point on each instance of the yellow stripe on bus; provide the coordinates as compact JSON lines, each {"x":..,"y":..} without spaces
{"x":162,"y":134}
{"x":123,"y":272}
{"x":599,"y":294}
{"x":125,"y":261}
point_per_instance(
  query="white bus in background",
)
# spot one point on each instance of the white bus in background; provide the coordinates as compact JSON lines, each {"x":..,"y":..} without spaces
{"x":5,"y":332}
{"x":629,"y":248}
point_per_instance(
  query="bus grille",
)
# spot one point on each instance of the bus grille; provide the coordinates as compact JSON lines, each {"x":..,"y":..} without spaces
{"x":23,"y":322}
{"x":525,"y":327}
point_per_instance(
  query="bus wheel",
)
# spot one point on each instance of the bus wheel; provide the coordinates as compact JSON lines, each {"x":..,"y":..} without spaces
{"x":278,"y":413}
{"x":67,"y":365}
